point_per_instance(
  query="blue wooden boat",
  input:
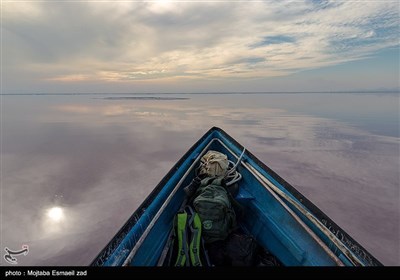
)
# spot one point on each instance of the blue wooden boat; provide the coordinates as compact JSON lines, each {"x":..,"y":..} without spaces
{"x":280,"y":218}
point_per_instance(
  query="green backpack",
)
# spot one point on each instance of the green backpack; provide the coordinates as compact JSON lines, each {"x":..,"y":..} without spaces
{"x":184,"y":245}
{"x":212,"y":203}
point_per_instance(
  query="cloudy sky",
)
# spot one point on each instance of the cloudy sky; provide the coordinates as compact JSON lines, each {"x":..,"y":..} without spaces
{"x":199,"y":46}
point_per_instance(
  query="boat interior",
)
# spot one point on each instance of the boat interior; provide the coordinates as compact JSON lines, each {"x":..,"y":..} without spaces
{"x":282,"y":221}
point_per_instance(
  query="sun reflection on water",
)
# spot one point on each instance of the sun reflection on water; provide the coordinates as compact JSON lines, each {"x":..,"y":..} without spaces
{"x":55,"y":214}
{"x":55,"y":220}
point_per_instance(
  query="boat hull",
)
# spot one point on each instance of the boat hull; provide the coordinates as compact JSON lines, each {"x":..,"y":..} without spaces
{"x":281,"y":219}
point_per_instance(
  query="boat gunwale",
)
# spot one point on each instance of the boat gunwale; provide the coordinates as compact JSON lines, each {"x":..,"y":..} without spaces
{"x":353,"y":245}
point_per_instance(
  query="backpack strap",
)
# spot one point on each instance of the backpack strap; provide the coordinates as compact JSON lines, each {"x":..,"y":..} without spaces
{"x":183,"y":253}
{"x":195,"y":237}
{"x":188,"y":250}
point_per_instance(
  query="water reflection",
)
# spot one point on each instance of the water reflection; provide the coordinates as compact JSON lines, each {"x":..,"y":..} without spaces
{"x":55,"y":214}
{"x":101,"y":158}
{"x":55,"y":222}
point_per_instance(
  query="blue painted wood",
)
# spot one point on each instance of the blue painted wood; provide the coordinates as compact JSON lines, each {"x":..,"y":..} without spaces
{"x":264,"y":217}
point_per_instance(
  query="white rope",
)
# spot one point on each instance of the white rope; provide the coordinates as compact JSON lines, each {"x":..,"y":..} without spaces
{"x":232,"y":175}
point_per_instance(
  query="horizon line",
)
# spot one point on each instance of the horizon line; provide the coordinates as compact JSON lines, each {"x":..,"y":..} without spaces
{"x":222,"y":92}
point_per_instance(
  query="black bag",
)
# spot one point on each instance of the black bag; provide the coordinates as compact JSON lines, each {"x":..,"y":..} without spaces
{"x":241,"y":249}
{"x":265,"y":258}
{"x":238,"y":249}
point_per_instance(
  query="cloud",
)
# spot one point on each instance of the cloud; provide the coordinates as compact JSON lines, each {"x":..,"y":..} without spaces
{"x":169,"y":41}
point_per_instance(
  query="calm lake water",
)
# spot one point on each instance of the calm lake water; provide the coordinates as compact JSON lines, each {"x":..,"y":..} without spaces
{"x":75,"y":167}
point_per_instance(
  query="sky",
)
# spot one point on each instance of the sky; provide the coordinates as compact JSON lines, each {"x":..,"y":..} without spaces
{"x":199,"y":46}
